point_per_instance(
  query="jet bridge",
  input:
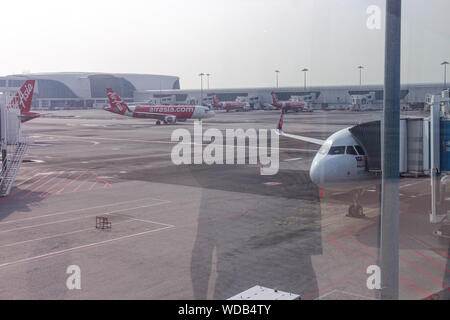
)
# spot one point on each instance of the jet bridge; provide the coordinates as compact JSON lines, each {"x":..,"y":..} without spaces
{"x":424,"y":150}
{"x":13,"y":147}
{"x":440,"y":159}
{"x":414,"y":144}
{"x":368,"y":135}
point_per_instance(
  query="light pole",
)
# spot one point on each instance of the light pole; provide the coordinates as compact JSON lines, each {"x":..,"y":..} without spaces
{"x":445,"y":63}
{"x":277,"y":72}
{"x":360,"y":74}
{"x":201,"y":88}
{"x":207,"y":77}
{"x":305,"y":70}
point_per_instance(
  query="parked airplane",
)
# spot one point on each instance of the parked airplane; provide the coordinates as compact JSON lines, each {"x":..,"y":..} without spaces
{"x":166,"y":114}
{"x":22,"y":101}
{"x":290,"y":105}
{"x":340,"y":164}
{"x":230,"y":105}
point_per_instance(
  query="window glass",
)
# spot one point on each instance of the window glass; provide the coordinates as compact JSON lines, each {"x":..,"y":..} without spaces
{"x":337,"y":150}
{"x":53,"y":89}
{"x":15,"y":83}
{"x":99,"y":83}
{"x":351,"y":150}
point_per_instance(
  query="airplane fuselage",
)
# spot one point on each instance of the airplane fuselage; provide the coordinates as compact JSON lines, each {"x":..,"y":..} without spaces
{"x":290,"y":105}
{"x":181,"y":112}
{"x":155,"y":112}
{"x":340,"y":164}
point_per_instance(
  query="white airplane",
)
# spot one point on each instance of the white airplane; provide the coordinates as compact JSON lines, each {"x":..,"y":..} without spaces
{"x":162,"y":113}
{"x":339,"y":165}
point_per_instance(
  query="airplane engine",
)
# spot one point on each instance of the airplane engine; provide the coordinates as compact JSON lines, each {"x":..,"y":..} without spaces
{"x":170,"y":119}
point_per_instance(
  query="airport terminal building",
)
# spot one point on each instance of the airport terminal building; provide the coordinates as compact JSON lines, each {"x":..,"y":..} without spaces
{"x":65,"y":90}
{"x":321,"y":96}
{"x":84,"y":89}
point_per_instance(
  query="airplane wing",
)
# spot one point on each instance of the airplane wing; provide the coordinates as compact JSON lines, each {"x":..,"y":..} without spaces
{"x":303,"y":138}
{"x":280,"y":132}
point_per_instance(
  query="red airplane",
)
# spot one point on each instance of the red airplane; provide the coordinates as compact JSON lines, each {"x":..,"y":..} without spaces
{"x":167,"y":114}
{"x":289,"y":105}
{"x":22,"y":101}
{"x":230,"y":105}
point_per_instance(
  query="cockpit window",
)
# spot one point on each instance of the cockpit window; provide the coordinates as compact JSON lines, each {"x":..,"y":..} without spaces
{"x":337,"y":150}
{"x":325,"y":148}
{"x":360,"y":150}
{"x":351,"y":150}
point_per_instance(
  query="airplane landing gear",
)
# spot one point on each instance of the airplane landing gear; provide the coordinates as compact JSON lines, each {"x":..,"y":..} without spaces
{"x":158,"y":123}
{"x":356,"y":210}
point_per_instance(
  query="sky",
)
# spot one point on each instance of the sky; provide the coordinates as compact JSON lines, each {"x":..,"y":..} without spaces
{"x":239,"y":42}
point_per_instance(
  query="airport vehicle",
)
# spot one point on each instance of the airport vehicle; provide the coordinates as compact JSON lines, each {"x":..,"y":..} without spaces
{"x":340,"y":164}
{"x":22,"y":101}
{"x":230,"y":105}
{"x":364,"y":102}
{"x":294,"y":105}
{"x":162,"y":113}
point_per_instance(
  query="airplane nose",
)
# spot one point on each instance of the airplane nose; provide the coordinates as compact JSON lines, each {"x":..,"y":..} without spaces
{"x":314,"y":174}
{"x":210,"y":114}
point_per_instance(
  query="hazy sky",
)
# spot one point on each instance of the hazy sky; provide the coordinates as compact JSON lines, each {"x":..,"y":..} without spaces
{"x":239,"y":42}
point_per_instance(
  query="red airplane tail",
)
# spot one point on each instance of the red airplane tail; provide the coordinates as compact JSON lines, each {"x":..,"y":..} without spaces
{"x":22,"y":99}
{"x":215,"y":101}
{"x":116,"y":102}
{"x":274,"y":99}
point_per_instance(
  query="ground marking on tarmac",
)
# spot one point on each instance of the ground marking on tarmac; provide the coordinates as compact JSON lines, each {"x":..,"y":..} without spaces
{"x":172,"y":142}
{"x":133,"y":158}
{"x":53,"y":254}
{"x":23,"y":182}
{"x":85,"y":180}
{"x":83,"y":209}
{"x":80,"y":247}
{"x":293,"y":159}
{"x":18,"y":191}
{"x":347,"y":293}
{"x":415,"y":287}
{"x":402,"y":186}
{"x":411,"y":184}
{"x":86,"y":216}
{"x":41,"y":185}
{"x":57,"y":235}
{"x":56,"y":184}
{"x":70,"y":183}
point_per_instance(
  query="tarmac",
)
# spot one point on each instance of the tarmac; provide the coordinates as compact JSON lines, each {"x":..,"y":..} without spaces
{"x":198,"y":231}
